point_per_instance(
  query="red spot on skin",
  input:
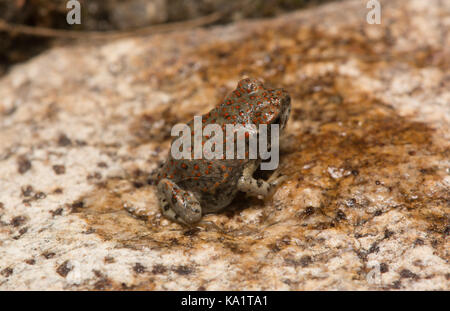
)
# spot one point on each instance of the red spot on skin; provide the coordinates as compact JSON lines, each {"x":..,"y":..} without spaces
{"x":196,"y":167}
{"x":207,"y":172}
{"x":252,"y":97}
{"x":198,"y":174}
{"x":247,"y":134}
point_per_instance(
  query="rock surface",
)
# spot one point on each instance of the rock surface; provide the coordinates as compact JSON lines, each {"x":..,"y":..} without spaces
{"x":366,"y":202}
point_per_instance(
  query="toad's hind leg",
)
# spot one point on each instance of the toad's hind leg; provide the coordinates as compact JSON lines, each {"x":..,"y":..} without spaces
{"x":177,"y":204}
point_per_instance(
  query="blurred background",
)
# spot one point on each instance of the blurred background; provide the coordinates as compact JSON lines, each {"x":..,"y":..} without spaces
{"x":17,"y":44}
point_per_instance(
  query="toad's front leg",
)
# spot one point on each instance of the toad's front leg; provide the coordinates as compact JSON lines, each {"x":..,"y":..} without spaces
{"x":177,"y":204}
{"x":257,"y":187}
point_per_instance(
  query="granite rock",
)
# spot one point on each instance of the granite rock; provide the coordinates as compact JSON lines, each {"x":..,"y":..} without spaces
{"x":366,"y":155}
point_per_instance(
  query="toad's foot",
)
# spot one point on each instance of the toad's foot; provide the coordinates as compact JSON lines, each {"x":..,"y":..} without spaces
{"x":177,"y":204}
{"x":257,"y":187}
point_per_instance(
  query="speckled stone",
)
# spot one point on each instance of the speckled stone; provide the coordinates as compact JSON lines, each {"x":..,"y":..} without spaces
{"x":366,"y":201}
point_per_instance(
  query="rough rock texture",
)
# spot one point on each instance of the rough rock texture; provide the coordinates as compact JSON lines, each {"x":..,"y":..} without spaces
{"x":366,"y":202}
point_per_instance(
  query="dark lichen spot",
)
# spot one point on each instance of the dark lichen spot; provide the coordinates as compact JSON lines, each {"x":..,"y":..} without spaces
{"x":191,"y":232}
{"x":7,"y":272}
{"x":396,"y":285}
{"x":340,"y":215}
{"x":18,"y":221}
{"x":109,"y":259}
{"x":102,"y":165}
{"x":138,"y":184}
{"x":64,"y":141}
{"x":418,"y":242}
{"x":59,"y":169}
{"x":303,"y":262}
{"x":40,"y":195}
{"x":407,"y":274}
{"x":183,"y":270}
{"x":57,"y":212}
{"x":77,"y":206}
{"x":23,"y":231}
{"x":274,"y":247}
{"x":30,"y":261}
{"x":95,"y":175}
{"x":58,"y":191}
{"x":64,"y":269}
{"x":139,"y":268}
{"x":90,"y":230}
{"x":27,"y":191}
{"x":48,"y":255}
{"x":23,"y":164}
{"x":374,"y":248}
{"x":388,"y":234}
{"x":308,"y":211}
{"x":384,"y":267}
{"x":159,"y":269}
{"x":102,"y":284}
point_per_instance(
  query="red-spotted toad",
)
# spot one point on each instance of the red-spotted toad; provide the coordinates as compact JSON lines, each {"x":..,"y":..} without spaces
{"x":189,"y":188}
